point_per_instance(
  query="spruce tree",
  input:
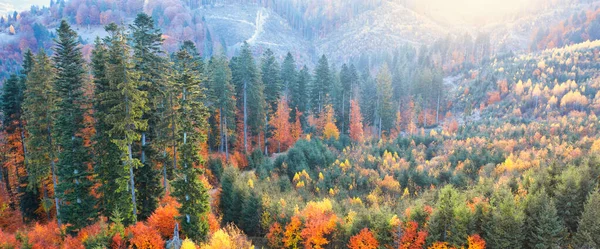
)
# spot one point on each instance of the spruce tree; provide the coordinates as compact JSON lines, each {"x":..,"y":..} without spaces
{"x":151,"y":67}
{"x":543,"y":228}
{"x":222,"y":93}
{"x":130,"y":103}
{"x":39,"y":102}
{"x":299,"y":100}
{"x":114,"y":195}
{"x":504,"y":229}
{"x":589,"y":224}
{"x":77,"y":205}
{"x":191,"y":117}
{"x":288,"y":75}
{"x":384,"y":116}
{"x":249,"y":94}
{"x":448,"y":223}
{"x":270,"y":75}
{"x":321,"y":86}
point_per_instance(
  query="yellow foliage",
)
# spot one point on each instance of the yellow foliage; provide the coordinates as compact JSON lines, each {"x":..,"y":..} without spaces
{"x":188,"y":244}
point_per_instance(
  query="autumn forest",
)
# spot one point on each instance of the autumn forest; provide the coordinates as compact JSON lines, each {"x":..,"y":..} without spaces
{"x":141,"y":140}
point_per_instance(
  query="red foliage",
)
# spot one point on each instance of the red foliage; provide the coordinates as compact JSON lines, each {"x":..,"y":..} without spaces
{"x":8,"y":240}
{"x":143,"y":236}
{"x":10,"y":220}
{"x":72,"y":243}
{"x":412,"y":238}
{"x":117,"y":242}
{"x":363,"y":240}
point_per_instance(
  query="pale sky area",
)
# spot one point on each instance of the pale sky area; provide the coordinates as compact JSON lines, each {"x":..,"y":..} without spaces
{"x":19,"y":5}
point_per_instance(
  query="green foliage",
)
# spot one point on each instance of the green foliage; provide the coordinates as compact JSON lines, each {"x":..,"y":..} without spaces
{"x":543,"y":228}
{"x":74,"y":186}
{"x":589,"y":225}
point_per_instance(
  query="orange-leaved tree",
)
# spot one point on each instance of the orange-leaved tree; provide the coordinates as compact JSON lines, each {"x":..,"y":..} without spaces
{"x":412,"y":238}
{"x":320,"y":222}
{"x":363,"y":240}
{"x":275,"y":236}
{"x":144,"y":237}
{"x":163,"y":220}
{"x":476,"y":242}
{"x":292,"y":237}
{"x":280,"y":120}
{"x":327,"y":120}
{"x":356,"y":122}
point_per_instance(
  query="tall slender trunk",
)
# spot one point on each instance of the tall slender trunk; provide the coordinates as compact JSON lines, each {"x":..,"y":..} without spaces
{"x":226,"y":142}
{"x":164,"y":169}
{"x":174,"y":145}
{"x":265,"y":135}
{"x":343,"y":111}
{"x":132,"y":181}
{"x":245,"y":117}
{"x":437,"y":111}
{"x":54,"y":180}
{"x":221,"y":130}
{"x":143,"y":147}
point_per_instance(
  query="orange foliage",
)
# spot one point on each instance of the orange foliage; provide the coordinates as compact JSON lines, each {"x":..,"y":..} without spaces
{"x":280,"y":121}
{"x":44,"y":236}
{"x":356,"y":124}
{"x":476,"y":242}
{"x":292,"y":238}
{"x":326,"y":124}
{"x":412,"y":238}
{"x":214,"y":223}
{"x":228,"y":237}
{"x":296,"y":127}
{"x":144,"y":237}
{"x":163,"y":220}
{"x":320,"y":222}
{"x":72,"y":243}
{"x":275,"y":235}
{"x":10,"y":220}
{"x":493,"y":97}
{"x":8,"y":240}
{"x":440,"y":245}
{"x":363,"y":240}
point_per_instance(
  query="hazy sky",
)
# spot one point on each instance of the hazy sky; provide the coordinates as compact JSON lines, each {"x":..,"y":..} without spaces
{"x":19,"y":5}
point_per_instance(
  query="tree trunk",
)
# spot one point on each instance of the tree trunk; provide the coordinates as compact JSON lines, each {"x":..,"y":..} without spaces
{"x":54,"y":180}
{"x":226,"y":142}
{"x":245,"y":117}
{"x":132,"y":182}
{"x":221,"y":130}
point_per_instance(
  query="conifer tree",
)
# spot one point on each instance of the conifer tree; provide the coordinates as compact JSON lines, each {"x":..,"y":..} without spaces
{"x":384,"y":116}
{"x":448,"y":223}
{"x":77,"y":205}
{"x":151,"y":67}
{"x":543,"y":228}
{"x":249,"y":94}
{"x":191,"y":117}
{"x":504,"y":228}
{"x":222,"y":93}
{"x":589,"y":224}
{"x":270,"y":76}
{"x":321,"y":86}
{"x":39,"y":102}
{"x":114,"y":196}
{"x":299,"y":101}
{"x":126,"y":114}
{"x":288,"y":74}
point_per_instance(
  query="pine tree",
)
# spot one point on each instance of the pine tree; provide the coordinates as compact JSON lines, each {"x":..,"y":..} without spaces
{"x":570,"y":196}
{"x":251,"y":210}
{"x":249,"y":94}
{"x":345,"y":95}
{"x":191,"y":117}
{"x":228,"y":197}
{"x":39,"y":102}
{"x":321,"y":86}
{"x":74,"y":186}
{"x":151,"y":67}
{"x":589,"y":224}
{"x":130,"y":103}
{"x":222,"y":93}
{"x":543,"y":228}
{"x":114,"y":195}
